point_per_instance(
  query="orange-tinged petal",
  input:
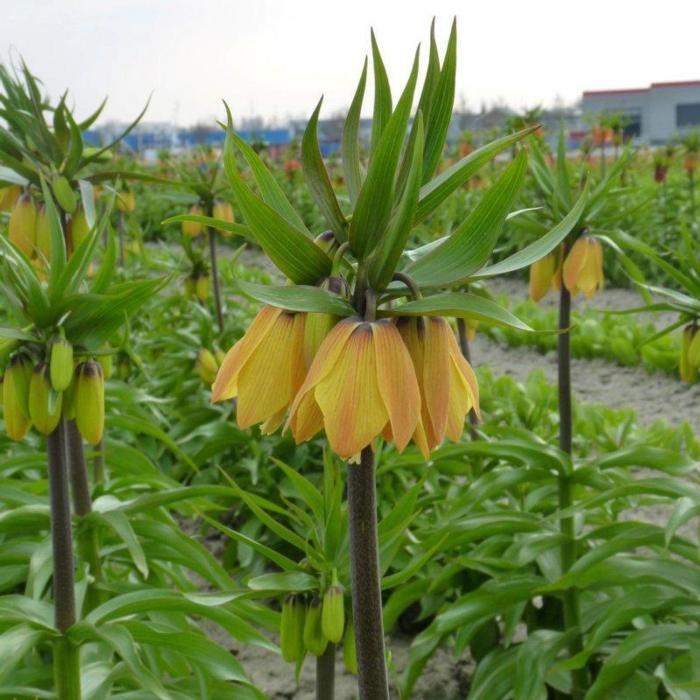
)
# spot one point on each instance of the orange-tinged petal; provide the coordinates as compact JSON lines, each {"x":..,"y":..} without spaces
{"x":307,"y":419}
{"x":460,"y":402}
{"x":326,"y":357}
{"x":397,"y":381}
{"x":467,"y":373}
{"x":349,"y":397}
{"x":574,"y":264}
{"x":436,"y":374}
{"x":226,"y":383}
{"x":541,"y":274}
{"x":268,"y":381}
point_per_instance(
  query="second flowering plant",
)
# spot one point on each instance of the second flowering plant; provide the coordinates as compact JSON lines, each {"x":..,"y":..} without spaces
{"x":357,"y":343}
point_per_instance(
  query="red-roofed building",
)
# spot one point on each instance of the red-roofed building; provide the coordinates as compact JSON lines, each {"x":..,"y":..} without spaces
{"x":656,"y":113}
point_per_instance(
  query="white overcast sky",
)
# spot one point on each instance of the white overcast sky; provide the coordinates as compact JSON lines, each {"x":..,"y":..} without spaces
{"x":276,"y":57}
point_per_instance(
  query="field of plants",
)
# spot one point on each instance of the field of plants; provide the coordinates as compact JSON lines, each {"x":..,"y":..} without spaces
{"x":416,"y":420}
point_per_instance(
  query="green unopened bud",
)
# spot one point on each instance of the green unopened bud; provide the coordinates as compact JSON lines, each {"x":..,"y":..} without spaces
{"x":201,"y":288}
{"x":22,"y":226}
{"x":333,"y":617}
{"x":349,"y":649}
{"x":44,"y":404}
{"x":89,"y":401}
{"x":314,"y":639}
{"x":292,"y":628}
{"x":43,"y":234}
{"x":15,"y":395}
{"x":79,"y":229}
{"x":694,"y":348}
{"x":207,"y":366}
{"x":61,"y":364}
{"x":64,"y":194}
{"x":326,"y":241}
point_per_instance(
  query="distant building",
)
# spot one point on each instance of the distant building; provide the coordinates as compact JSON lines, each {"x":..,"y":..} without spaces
{"x":655,"y":114}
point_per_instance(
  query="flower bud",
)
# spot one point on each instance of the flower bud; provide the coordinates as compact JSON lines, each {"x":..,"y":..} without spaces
{"x":44,"y":405}
{"x":61,"y":364}
{"x":78,"y":229}
{"x":22,"y":226}
{"x":64,"y":194}
{"x":314,"y":639}
{"x":9,"y":196}
{"x":541,"y":276}
{"x":15,"y":394}
{"x":333,"y":616}
{"x":349,"y":649}
{"x":292,"y":629}
{"x":326,"y":242}
{"x":201,"y":288}
{"x":206,"y":366}
{"x":107,"y":363}
{"x":192,"y":228}
{"x":126,"y":201}
{"x":89,"y":401}
{"x":43,"y":234}
{"x":224,"y":211}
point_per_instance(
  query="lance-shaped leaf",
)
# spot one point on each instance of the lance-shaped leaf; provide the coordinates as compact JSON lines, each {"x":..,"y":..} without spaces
{"x":442,"y":103}
{"x":317,"y":179}
{"x":297,"y":298}
{"x":382,"y":97}
{"x":58,"y":243}
{"x":537,"y":250}
{"x":439,"y":188}
{"x":289,"y":248}
{"x":385,"y":257}
{"x":470,"y":246}
{"x":350,"y":146}
{"x":220,"y":224}
{"x":270,"y":189}
{"x":459,"y":305}
{"x":374,"y":204}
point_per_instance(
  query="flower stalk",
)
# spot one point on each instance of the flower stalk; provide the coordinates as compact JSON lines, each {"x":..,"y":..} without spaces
{"x":325,"y":674}
{"x":366,"y":590}
{"x":572,"y":612}
{"x":66,"y":656}
{"x":211,"y":233}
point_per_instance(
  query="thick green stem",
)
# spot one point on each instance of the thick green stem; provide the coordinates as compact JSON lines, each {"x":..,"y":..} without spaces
{"x":66,"y":656}
{"x":325,"y":674}
{"x":572,"y":611}
{"x":366,"y":590}
{"x":88,"y":542}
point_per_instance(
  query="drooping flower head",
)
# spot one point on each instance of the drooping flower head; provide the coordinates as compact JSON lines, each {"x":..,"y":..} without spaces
{"x":264,"y":369}
{"x":448,"y":386}
{"x":545,"y":275}
{"x":583,"y":268}
{"x":360,"y":384}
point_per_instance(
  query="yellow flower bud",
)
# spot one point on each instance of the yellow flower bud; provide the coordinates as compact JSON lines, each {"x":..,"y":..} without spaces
{"x":44,"y":406}
{"x":126,"y":201}
{"x":583,"y":268}
{"x":9,"y":196}
{"x":22,"y":226}
{"x":206,"y":366}
{"x":201,"y":288}
{"x":43,"y":234}
{"x":542,"y":276}
{"x":688,"y":355}
{"x":89,"y":401}
{"x":78,"y":229}
{"x":192,"y":228}
{"x":224,"y":211}
{"x":107,"y":363}
{"x":15,"y":393}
